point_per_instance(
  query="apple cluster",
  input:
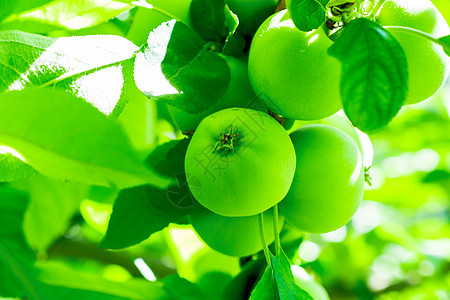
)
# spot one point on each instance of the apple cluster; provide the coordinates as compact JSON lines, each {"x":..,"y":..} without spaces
{"x":243,"y":159}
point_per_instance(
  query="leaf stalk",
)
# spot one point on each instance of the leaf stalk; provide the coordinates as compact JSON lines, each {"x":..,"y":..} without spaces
{"x":275,"y":230}
{"x":263,"y":238}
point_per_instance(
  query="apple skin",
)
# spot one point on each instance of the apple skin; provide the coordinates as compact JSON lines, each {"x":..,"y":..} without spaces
{"x":428,"y":65}
{"x":329,"y":179}
{"x":249,"y":179}
{"x":234,"y":236}
{"x":291,"y":70}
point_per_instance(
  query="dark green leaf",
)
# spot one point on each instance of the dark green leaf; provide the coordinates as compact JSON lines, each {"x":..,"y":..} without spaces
{"x":14,"y":250}
{"x":307,"y":14}
{"x":436,"y":176}
{"x":168,"y":158}
{"x":374,"y":74}
{"x":94,"y":68}
{"x":46,"y":16}
{"x":181,"y":289}
{"x":235,"y":42}
{"x":240,"y":287}
{"x":135,"y":217}
{"x":176,"y":68}
{"x":12,"y":168}
{"x":208,"y":19}
{"x":65,"y":138}
{"x":141,"y":211}
{"x":445,"y":42}
{"x":278,"y":282}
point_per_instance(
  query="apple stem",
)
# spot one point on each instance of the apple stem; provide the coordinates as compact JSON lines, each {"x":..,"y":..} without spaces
{"x":263,"y":239}
{"x":377,"y":8}
{"x":414,"y":31}
{"x":275,"y":230}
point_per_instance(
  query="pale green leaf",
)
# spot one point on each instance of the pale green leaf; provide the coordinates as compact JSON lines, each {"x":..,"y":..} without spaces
{"x":13,"y":168}
{"x":10,"y":7}
{"x":44,"y":16}
{"x":65,"y":138}
{"x":52,"y":205}
{"x":94,"y":68}
{"x":20,"y":279}
{"x":58,"y":274}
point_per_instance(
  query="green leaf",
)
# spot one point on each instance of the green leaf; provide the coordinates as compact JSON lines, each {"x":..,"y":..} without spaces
{"x":45,"y":16}
{"x":134,"y":218}
{"x":57,"y":274}
{"x":175,"y":67}
{"x":12,"y":168}
{"x":238,"y":287}
{"x":235,"y":43}
{"x":374,"y":74}
{"x":307,"y":14}
{"x":208,"y":19}
{"x":445,"y":43}
{"x":66,"y":138}
{"x":94,"y":68}
{"x":278,"y":282}
{"x":14,"y":250}
{"x":141,"y":211}
{"x":19,"y":278}
{"x":10,"y":7}
{"x":52,"y":205}
{"x":168,"y":158}
{"x":287,"y":288}
{"x":181,"y":289}
{"x":266,"y":289}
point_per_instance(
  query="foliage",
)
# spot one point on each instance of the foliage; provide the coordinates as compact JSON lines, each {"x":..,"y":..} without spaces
{"x":94,"y":199}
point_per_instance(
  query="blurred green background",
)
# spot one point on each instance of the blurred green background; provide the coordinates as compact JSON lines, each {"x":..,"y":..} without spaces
{"x":397,"y":246}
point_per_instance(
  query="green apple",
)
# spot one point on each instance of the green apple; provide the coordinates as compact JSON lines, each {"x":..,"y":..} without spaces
{"x":291,"y":70}
{"x":328,"y":182}
{"x":428,"y":65}
{"x":234,"y":236}
{"x":240,"y":162}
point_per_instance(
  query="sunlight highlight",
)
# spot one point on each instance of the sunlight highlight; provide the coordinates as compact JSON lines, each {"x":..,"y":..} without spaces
{"x":309,"y":251}
{"x":148,"y":67}
{"x":144,"y":269}
{"x":313,"y":38}
{"x":102,"y":88}
{"x":13,"y":152}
